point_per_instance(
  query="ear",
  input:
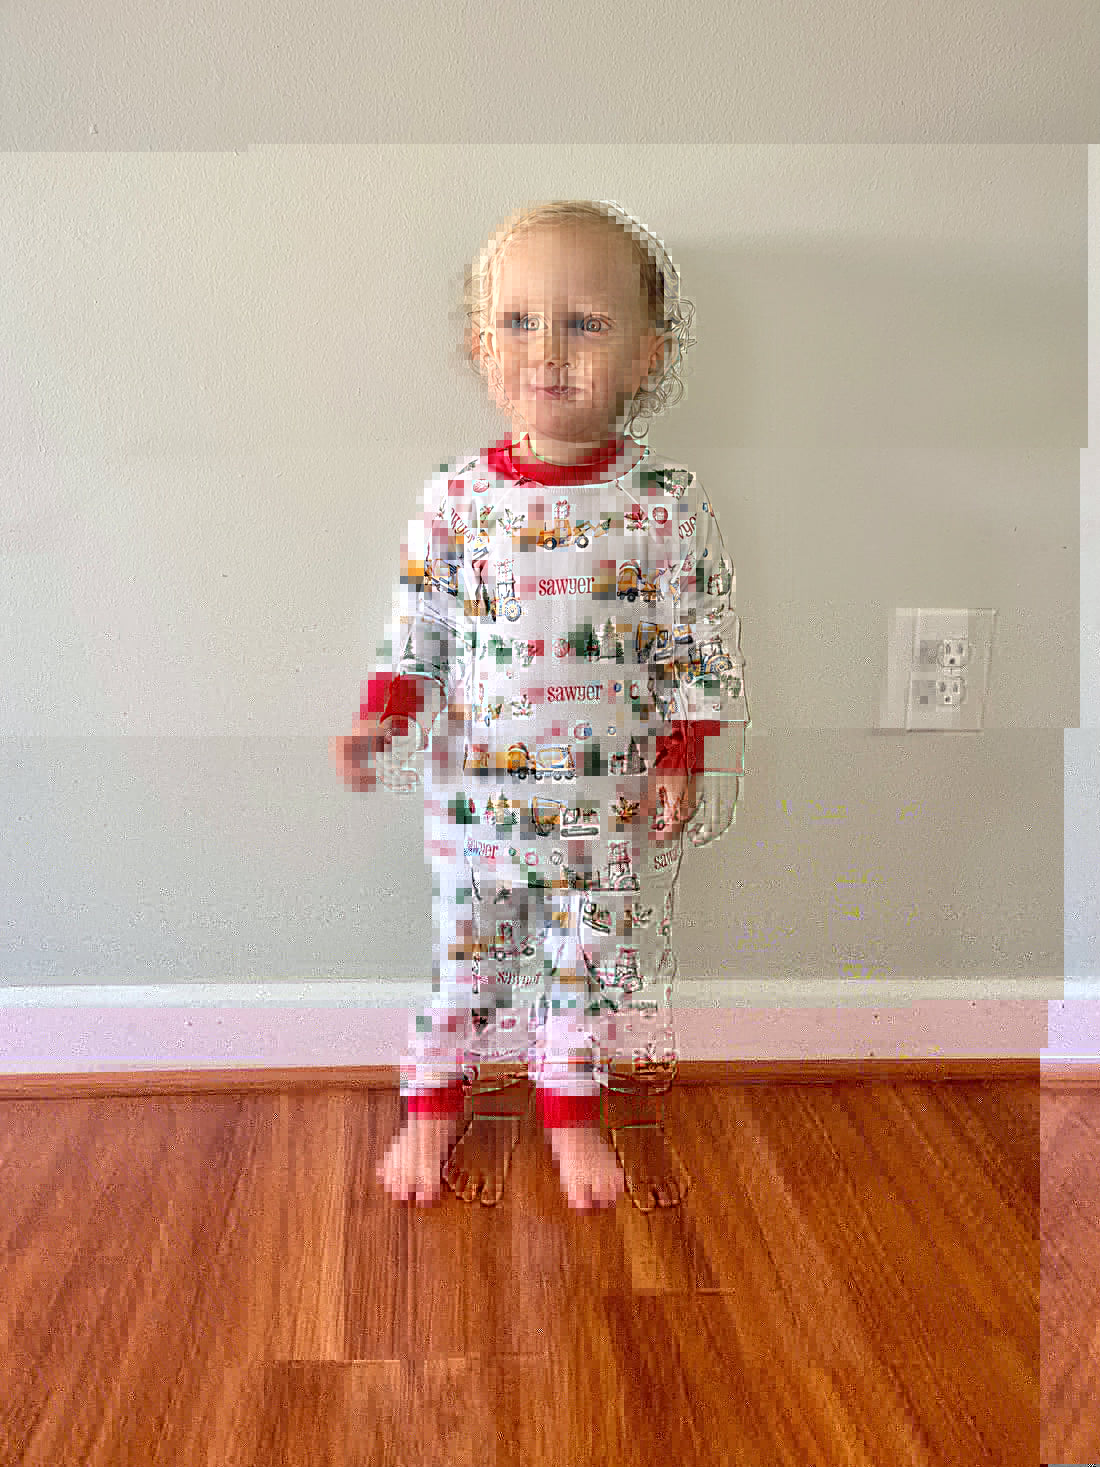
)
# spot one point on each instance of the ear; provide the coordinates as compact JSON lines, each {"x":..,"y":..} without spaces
{"x":664,"y":351}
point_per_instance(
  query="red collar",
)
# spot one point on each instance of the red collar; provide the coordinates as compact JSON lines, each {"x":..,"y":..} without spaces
{"x":502,"y":463}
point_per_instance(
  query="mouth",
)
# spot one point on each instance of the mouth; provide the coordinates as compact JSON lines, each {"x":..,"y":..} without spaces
{"x":556,"y":393}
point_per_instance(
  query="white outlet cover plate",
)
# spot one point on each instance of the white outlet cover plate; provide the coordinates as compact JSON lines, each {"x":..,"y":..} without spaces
{"x":909,"y":699}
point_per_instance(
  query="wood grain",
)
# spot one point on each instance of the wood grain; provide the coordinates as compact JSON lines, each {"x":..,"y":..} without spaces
{"x":1070,"y":1242}
{"x":218,"y":1279}
{"x":385,"y":1077}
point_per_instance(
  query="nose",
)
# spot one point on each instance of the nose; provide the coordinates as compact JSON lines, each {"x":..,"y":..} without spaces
{"x":554,"y":341}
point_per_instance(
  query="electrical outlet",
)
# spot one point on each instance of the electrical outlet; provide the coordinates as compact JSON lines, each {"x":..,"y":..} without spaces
{"x":938,"y":670}
{"x":955,"y":652}
{"x":950,"y":692}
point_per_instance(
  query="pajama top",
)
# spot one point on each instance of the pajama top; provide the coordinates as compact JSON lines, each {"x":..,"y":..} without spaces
{"x":584,"y":633}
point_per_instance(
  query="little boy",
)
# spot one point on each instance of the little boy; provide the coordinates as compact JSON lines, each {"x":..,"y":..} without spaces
{"x":566,"y":623}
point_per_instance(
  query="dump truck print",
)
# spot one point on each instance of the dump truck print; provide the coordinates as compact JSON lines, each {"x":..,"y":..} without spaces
{"x":632,"y":583}
{"x":519,"y":761}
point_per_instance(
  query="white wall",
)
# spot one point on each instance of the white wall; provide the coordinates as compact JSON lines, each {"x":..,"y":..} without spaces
{"x":226,"y":373}
{"x":232,"y":374}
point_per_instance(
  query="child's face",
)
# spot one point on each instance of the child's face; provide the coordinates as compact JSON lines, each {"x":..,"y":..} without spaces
{"x":568,"y":311}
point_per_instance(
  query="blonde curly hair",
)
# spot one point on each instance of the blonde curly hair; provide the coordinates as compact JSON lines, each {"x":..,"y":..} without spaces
{"x":669,"y":313}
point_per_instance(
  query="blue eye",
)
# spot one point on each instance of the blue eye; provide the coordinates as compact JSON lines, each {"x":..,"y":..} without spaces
{"x":517,"y":321}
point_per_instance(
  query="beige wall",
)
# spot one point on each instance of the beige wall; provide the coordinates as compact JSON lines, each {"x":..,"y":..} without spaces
{"x":228,"y":364}
{"x":231,"y":374}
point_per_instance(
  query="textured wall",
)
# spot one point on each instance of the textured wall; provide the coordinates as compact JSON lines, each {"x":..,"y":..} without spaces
{"x":228,"y":361}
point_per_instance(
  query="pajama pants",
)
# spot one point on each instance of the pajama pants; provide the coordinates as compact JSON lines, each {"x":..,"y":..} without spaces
{"x":563,"y":981}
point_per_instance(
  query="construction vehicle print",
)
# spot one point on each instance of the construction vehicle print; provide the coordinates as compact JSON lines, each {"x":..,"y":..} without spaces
{"x":652,"y":641}
{"x":553,"y":761}
{"x":546,"y":814}
{"x":631,"y":583}
{"x":715,"y":657}
{"x":441,"y":573}
{"x":562,"y":532}
{"x":518,"y":760}
{"x":582,"y":823}
{"x":708,"y":658}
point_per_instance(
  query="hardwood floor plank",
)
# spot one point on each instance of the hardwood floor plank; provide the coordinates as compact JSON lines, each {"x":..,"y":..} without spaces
{"x":1070,"y":1247}
{"x":853,"y":1278}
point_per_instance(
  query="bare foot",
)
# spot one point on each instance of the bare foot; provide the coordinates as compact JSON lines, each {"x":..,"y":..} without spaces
{"x":478,"y":1165}
{"x":655,"y":1175}
{"x":410,"y":1169}
{"x":589,"y":1169}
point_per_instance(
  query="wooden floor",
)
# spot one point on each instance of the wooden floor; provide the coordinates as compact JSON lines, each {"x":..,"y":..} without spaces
{"x":853,"y":1279}
{"x":1070,"y":1245}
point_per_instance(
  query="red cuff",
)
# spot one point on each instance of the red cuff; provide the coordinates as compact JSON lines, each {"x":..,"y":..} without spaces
{"x":448,"y":1101}
{"x":684,"y":747}
{"x":390,"y":692}
{"x":558,"y":1111}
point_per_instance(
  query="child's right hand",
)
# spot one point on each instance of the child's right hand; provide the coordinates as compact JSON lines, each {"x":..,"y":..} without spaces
{"x":358,"y":757}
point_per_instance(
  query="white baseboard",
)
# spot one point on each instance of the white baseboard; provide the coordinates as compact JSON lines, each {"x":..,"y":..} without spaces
{"x":92,"y":1028}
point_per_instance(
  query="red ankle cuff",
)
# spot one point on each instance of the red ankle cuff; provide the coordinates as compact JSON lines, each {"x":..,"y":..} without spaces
{"x":558,"y":1111}
{"x":443,"y":1102}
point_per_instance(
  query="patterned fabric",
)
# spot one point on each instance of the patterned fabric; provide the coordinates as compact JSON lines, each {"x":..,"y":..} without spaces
{"x":544,"y":978}
{"x":575,"y":628}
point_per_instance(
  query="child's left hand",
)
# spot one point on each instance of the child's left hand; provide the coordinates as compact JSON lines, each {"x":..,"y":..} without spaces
{"x":671,"y":798}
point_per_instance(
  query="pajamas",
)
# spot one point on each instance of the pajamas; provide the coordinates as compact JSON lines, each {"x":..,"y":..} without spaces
{"x":577,"y":630}
{"x":545,"y":976}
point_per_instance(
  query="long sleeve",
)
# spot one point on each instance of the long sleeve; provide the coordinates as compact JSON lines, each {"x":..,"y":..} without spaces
{"x":698,"y":672}
{"x":424,"y":635}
